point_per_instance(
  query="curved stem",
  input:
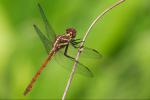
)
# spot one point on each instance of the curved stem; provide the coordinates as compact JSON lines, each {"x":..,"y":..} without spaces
{"x":82,"y":43}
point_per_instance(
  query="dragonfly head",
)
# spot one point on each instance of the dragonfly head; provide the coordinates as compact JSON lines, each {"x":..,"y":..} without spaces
{"x":71,"y":32}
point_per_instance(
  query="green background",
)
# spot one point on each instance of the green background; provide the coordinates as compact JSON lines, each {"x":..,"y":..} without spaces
{"x":122,"y":36}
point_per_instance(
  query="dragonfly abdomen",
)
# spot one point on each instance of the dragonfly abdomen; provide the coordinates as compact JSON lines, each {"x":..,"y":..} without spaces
{"x":29,"y":87}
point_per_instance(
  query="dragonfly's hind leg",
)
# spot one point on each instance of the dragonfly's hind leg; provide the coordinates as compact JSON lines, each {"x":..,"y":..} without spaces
{"x":66,"y":54}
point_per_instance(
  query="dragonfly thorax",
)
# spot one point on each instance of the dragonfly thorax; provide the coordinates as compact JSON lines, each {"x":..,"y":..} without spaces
{"x":71,"y":32}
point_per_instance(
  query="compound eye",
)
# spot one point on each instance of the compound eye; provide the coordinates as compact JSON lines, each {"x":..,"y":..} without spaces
{"x":70,"y":30}
{"x":73,"y":35}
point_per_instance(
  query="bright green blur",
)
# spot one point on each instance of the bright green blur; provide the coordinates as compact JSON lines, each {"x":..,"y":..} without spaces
{"x":122,"y":36}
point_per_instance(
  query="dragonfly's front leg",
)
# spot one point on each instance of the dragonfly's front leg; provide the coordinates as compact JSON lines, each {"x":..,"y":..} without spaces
{"x":76,"y":40}
{"x":74,"y":43}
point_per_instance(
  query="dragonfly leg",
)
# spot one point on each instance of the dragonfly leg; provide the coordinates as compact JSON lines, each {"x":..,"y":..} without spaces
{"x":76,"y":40}
{"x":66,"y":54}
{"x":75,"y":45}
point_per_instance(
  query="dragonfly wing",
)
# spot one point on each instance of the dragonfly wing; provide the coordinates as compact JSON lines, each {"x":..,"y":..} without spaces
{"x":67,"y":63}
{"x":86,"y":52}
{"x":49,"y":30}
{"x":47,"y":44}
{"x":91,"y":53}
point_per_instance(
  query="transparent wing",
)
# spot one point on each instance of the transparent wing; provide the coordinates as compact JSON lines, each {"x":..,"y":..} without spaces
{"x":49,"y":30}
{"x":87,"y":53}
{"x":67,"y":63}
{"x":60,"y":58}
{"x":91,"y":53}
{"x":47,"y":44}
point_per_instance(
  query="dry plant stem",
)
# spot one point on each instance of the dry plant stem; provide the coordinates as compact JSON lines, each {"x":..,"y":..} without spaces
{"x":82,"y":43}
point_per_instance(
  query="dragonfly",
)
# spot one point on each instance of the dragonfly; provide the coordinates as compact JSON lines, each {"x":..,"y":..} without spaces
{"x":58,"y":45}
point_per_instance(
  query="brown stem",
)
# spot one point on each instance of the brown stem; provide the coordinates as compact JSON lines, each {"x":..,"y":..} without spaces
{"x":82,"y":43}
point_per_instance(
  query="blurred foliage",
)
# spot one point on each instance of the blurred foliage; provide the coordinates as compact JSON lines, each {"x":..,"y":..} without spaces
{"x":122,"y":36}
